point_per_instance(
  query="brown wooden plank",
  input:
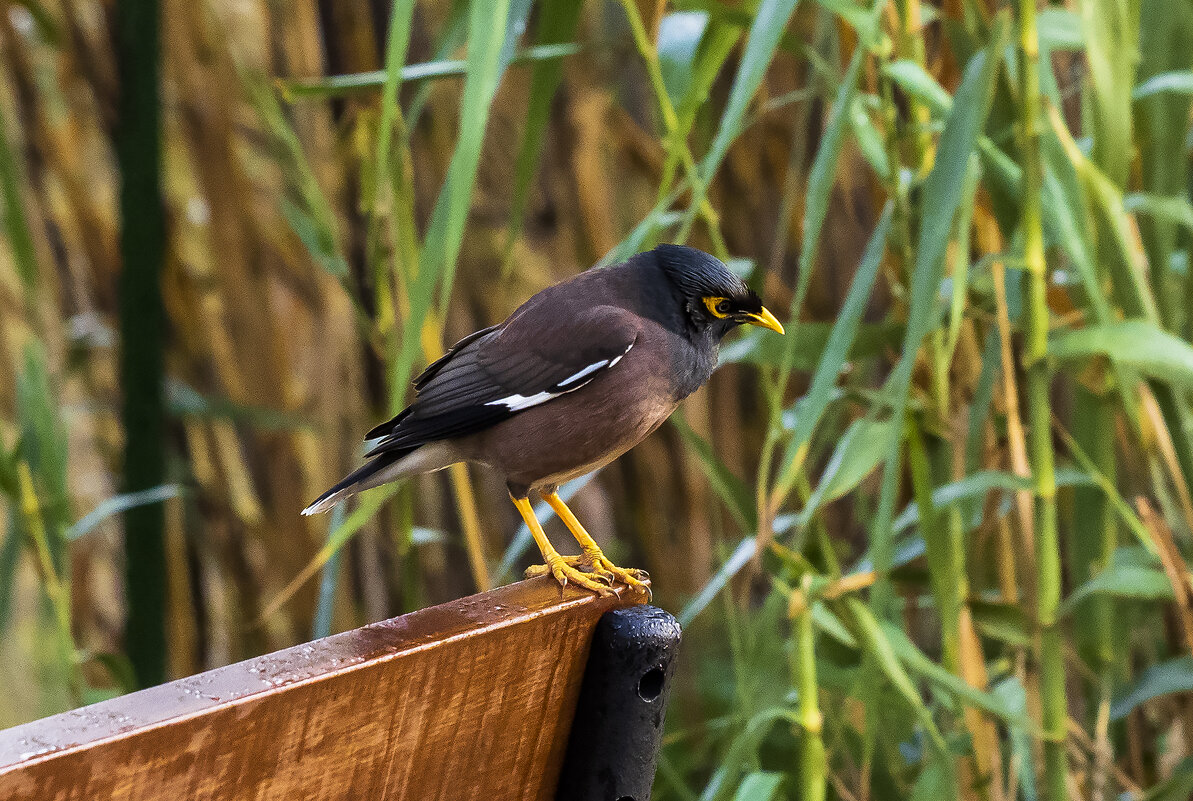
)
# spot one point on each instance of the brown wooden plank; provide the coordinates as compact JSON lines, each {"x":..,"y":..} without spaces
{"x":472,"y":699}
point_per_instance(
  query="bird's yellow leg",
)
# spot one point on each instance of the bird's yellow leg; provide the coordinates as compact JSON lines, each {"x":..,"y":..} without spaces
{"x":559,"y":566}
{"x":635,"y":578}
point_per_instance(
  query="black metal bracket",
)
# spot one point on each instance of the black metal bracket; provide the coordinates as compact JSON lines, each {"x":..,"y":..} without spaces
{"x":618,"y":728}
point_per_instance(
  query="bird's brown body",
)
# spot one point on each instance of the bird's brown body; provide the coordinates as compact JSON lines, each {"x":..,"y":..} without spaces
{"x":579,"y":432}
{"x":579,"y":374}
{"x":543,"y":447}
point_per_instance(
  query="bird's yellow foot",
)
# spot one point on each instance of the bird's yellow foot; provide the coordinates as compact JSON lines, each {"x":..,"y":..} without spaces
{"x":565,"y":571}
{"x":632,"y":577}
{"x":582,"y":562}
{"x":637,"y":580}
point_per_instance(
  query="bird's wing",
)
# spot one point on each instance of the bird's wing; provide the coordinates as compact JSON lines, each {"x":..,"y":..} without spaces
{"x":380,"y":432}
{"x":499,"y":372}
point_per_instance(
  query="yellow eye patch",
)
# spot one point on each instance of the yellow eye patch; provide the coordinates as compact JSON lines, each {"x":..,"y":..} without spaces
{"x":717,"y":307}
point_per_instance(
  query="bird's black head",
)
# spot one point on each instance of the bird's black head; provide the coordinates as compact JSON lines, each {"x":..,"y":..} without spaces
{"x":715,"y":300}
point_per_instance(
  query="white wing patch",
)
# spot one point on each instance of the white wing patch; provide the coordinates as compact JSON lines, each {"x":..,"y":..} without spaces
{"x":589,"y":370}
{"x":516,"y":403}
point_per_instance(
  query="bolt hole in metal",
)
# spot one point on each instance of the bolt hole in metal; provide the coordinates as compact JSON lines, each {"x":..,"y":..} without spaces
{"x":649,"y":687}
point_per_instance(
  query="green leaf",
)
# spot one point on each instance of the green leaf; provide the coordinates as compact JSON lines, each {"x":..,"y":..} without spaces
{"x":318,"y":239}
{"x":937,"y":780}
{"x":1162,"y":122}
{"x":1140,"y":345}
{"x":770,"y":20}
{"x":1067,"y":221}
{"x":976,"y":485}
{"x":451,"y":38}
{"x":329,"y":578}
{"x":820,"y":186}
{"x":16,"y":225}
{"x":185,"y":401}
{"x":869,"y":139}
{"x":742,"y":749}
{"x":1012,"y":693}
{"x":1111,"y":29}
{"x":859,"y":451}
{"x":338,"y":85}
{"x":813,"y":339}
{"x":8,"y":471}
{"x":1116,"y":247}
{"x":43,"y":443}
{"x":304,"y":205}
{"x":916,"y":81}
{"x":680,"y":34}
{"x":830,"y":624}
{"x":445,"y":232}
{"x":1174,"y":209}
{"x":846,"y":335}
{"x":943,"y":680}
{"x":1123,"y":581}
{"x":515,"y":25}
{"x":1004,"y":622}
{"x":732,"y":490}
{"x":873,"y":638}
{"x":859,"y":17}
{"x":942,"y":194}
{"x":1180,"y":82}
{"x":557,"y":22}
{"x":1059,"y":29}
{"x":1162,"y":678}
{"x":120,"y":503}
{"x":740,"y":557}
{"x":762,"y":785}
{"x":120,"y":669}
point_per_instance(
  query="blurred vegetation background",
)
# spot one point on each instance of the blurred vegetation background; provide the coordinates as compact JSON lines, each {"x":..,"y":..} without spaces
{"x":933,"y":543}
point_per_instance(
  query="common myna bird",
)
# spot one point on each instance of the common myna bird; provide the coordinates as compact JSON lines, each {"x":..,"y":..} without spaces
{"x":577,"y":376}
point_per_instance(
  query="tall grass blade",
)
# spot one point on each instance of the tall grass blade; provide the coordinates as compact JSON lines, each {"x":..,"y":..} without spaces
{"x":16,"y":224}
{"x":557,"y":24}
{"x":770,"y":20}
{"x":437,"y":261}
{"x":942,"y":193}
{"x":835,"y":354}
{"x":325,"y":606}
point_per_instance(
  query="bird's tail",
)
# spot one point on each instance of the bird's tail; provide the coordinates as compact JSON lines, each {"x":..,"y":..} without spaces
{"x":382,"y":469}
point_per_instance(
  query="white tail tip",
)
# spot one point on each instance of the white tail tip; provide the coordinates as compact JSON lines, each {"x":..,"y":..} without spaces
{"x":318,"y":507}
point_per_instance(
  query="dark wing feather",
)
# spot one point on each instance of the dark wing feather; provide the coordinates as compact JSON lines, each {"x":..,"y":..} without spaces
{"x":434,"y":367}
{"x":496,"y":373}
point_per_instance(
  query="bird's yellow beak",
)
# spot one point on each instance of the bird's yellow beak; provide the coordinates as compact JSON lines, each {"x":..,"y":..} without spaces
{"x":764,"y":319}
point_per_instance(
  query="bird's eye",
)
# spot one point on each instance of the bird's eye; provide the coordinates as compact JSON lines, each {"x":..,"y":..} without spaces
{"x":718,"y":307}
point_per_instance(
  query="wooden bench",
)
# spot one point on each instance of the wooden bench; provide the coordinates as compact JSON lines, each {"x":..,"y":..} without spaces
{"x":469,"y":700}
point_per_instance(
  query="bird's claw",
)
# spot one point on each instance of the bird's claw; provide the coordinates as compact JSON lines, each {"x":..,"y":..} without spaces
{"x":565,"y":572}
{"x":592,"y":571}
{"x":582,"y":563}
{"x":631,"y":577}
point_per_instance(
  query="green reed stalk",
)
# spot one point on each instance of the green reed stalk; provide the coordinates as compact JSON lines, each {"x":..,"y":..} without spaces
{"x":57,"y":587}
{"x":1053,"y":709}
{"x":1095,"y":527}
{"x":813,"y":764}
{"x":911,"y":46}
{"x":674,"y":138}
{"x":946,"y":562}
